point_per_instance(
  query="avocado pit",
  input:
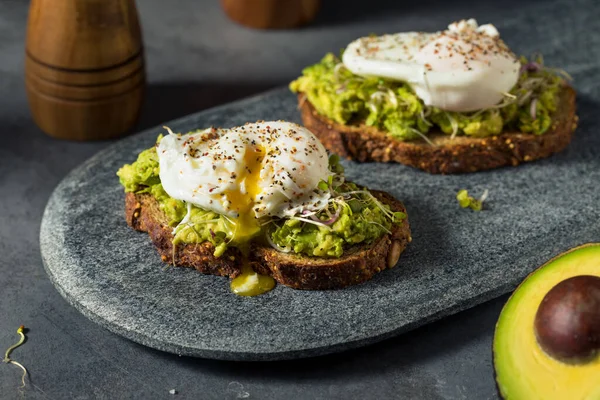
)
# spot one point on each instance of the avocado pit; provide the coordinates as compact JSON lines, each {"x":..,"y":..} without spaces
{"x":567,"y":322}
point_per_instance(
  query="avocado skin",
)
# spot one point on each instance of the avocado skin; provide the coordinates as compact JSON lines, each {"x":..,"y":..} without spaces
{"x":508,"y":387}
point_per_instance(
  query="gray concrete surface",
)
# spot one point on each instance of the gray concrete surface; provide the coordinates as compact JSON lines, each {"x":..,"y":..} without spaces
{"x":197,"y":59}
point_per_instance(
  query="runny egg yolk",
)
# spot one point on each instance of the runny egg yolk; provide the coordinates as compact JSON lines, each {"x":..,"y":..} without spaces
{"x":249,"y":283}
{"x":242,"y":199}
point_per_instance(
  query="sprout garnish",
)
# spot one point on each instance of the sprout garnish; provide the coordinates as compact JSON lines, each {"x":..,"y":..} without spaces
{"x":343,"y":196}
{"x":534,"y":80}
{"x":466,"y":201}
{"x":8,"y":360}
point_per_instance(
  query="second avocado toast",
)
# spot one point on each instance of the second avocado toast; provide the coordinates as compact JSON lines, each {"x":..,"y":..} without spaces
{"x":448,"y":102}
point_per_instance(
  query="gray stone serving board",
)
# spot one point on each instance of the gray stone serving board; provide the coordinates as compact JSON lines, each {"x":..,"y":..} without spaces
{"x":457,"y":259}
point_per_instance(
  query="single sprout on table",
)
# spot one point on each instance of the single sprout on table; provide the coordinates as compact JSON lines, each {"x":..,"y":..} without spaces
{"x":8,"y":360}
{"x":466,"y":201}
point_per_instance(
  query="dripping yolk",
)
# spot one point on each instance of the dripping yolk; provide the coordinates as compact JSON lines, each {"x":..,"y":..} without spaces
{"x":249,"y":283}
{"x":243,"y":199}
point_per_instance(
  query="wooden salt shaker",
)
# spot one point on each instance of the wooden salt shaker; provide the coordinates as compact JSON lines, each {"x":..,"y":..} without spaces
{"x":271,"y":14}
{"x":84,"y":67}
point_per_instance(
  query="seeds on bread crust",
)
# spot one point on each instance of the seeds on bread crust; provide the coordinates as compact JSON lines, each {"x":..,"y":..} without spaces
{"x":394,"y":254}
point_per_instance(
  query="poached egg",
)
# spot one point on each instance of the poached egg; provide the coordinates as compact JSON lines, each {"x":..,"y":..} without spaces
{"x":464,"y":68}
{"x":262,"y":169}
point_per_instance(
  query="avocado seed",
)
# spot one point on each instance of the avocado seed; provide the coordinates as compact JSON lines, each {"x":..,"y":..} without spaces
{"x":567,"y":323}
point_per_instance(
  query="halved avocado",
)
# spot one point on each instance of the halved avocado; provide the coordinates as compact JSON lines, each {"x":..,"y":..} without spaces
{"x":547,"y":339}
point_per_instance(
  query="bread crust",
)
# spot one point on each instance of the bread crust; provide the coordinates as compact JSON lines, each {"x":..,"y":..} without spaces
{"x":358,"y":263}
{"x":142,"y":213}
{"x":448,"y":156}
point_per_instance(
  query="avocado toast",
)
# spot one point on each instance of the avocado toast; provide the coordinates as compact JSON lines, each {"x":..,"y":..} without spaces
{"x":346,"y":236}
{"x":467,"y":105}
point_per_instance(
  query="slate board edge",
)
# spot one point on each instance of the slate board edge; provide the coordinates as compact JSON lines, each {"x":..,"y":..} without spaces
{"x":265,"y":356}
{"x":46,"y":239}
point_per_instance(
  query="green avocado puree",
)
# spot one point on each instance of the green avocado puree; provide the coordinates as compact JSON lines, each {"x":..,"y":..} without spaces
{"x":359,"y":217}
{"x":338,"y":94}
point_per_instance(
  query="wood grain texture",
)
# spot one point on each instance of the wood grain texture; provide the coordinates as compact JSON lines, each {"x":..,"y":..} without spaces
{"x":271,"y":14}
{"x":84,"y":67}
{"x":90,"y":34}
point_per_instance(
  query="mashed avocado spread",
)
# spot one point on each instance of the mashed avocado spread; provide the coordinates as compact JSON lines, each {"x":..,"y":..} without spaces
{"x":352,"y":216}
{"x":346,"y":98}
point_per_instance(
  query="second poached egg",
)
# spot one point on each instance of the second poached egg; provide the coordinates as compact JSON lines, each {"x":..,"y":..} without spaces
{"x":465,"y":68}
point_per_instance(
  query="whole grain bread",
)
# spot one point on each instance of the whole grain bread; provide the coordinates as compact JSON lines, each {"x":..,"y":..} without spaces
{"x":358,"y":263}
{"x":447,"y":155}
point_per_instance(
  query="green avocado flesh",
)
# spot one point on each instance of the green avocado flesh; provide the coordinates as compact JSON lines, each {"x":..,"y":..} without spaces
{"x":359,"y":217}
{"x":523,"y":369}
{"x":338,"y":94}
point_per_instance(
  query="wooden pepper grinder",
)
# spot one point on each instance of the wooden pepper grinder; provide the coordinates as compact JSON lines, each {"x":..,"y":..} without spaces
{"x":84,"y":67}
{"x":271,"y":14}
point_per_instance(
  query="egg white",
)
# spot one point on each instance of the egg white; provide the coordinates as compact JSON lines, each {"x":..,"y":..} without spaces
{"x":464,"y":68}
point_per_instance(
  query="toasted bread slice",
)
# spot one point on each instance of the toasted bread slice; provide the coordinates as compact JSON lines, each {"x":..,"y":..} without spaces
{"x":447,"y":155}
{"x":358,"y":263}
{"x":143,"y":214}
